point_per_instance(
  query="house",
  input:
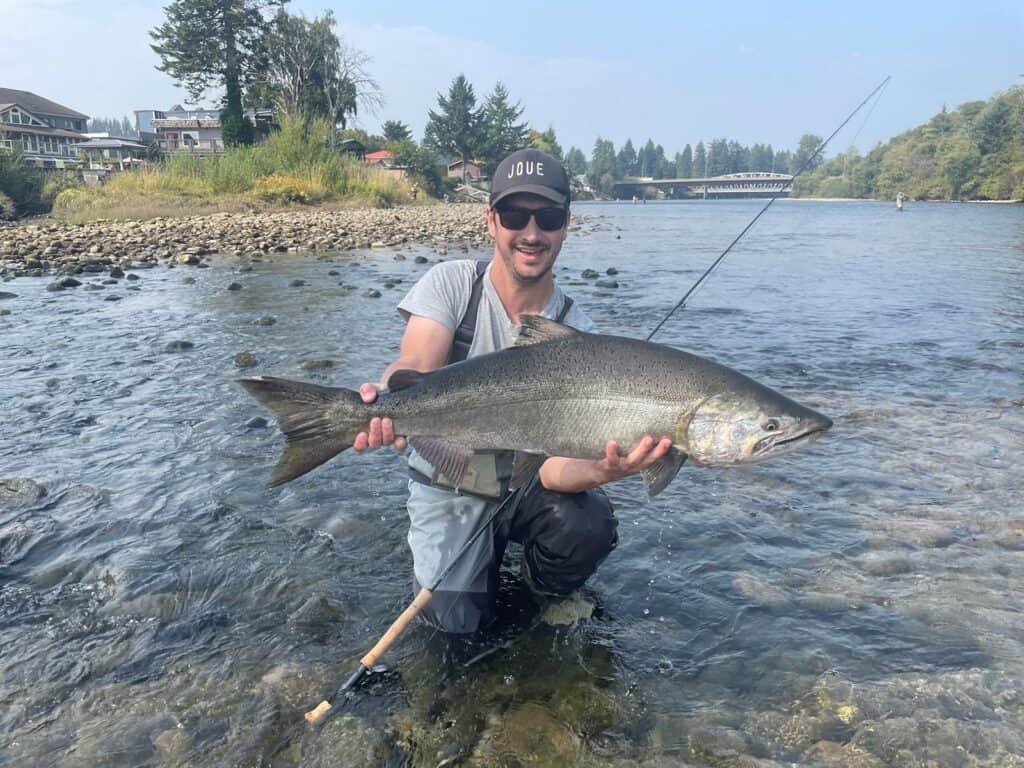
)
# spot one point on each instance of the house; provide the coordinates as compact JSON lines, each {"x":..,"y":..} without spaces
{"x":473,"y":170}
{"x":197,"y":131}
{"x":105,"y":150}
{"x":380,"y":157}
{"x":44,"y":130}
{"x":352,"y":147}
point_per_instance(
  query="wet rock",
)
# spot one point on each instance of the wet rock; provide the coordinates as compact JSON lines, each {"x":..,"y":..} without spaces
{"x":588,"y":274}
{"x":186,"y":259}
{"x":4,"y":312}
{"x":58,"y":286}
{"x":266,"y":320}
{"x":19,"y":492}
{"x":189,"y":281}
{"x":297,"y":283}
{"x":399,"y":257}
{"x":6,"y":295}
{"x":179,"y":346}
{"x":316,"y":365}
{"x":372,"y":293}
{"x":132,"y":288}
{"x":116,"y":272}
{"x":132,"y":276}
{"x":421,"y":260}
{"x":607,"y":284}
{"x":333,"y":272}
{"x":611,"y":271}
{"x":245,"y":360}
{"x":389,"y":285}
{"x":112,"y":298}
{"x":93,"y":287}
{"x":257,"y":422}
{"x":172,"y":744}
{"x":316,"y":615}
{"x":234,"y":286}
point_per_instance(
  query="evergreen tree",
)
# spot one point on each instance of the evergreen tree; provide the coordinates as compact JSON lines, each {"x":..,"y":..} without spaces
{"x":500,"y":130}
{"x":684,"y":166}
{"x":210,"y":43}
{"x":575,"y":161}
{"x":700,"y":161}
{"x":396,"y":130}
{"x":601,"y":172}
{"x":804,"y":155}
{"x":546,"y":141}
{"x":626,"y":159}
{"x":454,"y":130}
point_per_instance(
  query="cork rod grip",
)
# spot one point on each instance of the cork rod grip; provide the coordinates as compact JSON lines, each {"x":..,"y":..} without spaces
{"x":396,"y":629}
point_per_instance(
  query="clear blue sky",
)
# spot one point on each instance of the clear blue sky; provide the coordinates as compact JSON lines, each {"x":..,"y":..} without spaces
{"x":674,"y":72}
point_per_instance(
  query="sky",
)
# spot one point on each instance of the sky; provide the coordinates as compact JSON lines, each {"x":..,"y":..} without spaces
{"x":674,"y":72}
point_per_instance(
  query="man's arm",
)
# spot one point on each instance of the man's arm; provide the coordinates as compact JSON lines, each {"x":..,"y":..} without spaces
{"x":564,"y":475}
{"x":425,"y":346}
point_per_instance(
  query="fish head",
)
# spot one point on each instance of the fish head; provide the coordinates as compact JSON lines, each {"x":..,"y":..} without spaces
{"x":747,"y":426}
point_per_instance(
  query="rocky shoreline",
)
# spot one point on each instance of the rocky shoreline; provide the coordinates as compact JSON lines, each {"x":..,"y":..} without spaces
{"x":53,"y":247}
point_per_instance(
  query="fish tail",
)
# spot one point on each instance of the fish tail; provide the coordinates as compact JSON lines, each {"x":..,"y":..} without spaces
{"x":318,"y":422}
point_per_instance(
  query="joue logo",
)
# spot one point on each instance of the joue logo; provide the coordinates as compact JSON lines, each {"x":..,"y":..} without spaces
{"x":526,"y":168}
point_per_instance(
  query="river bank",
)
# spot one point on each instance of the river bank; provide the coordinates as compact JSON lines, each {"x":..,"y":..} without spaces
{"x":50,"y":246}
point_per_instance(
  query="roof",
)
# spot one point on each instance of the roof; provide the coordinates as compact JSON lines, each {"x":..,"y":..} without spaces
{"x":110,"y":144}
{"x":468,"y":162}
{"x":11,"y":128}
{"x":380,"y":154}
{"x":38,"y":104}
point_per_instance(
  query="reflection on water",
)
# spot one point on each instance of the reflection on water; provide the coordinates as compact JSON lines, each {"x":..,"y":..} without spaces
{"x":856,"y":603}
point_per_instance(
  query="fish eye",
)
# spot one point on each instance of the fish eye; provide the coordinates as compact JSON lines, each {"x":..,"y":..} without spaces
{"x":771,"y":425}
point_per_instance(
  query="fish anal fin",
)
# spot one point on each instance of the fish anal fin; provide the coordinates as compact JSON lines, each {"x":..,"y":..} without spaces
{"x":403,"y":378}
{"x":536,"y":329}
{"x":450,"y":459}
{"x":524,"y":467}
{"x":660,"y":473}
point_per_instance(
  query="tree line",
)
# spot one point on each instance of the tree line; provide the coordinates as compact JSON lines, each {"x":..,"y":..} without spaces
{"x":975,"y":152}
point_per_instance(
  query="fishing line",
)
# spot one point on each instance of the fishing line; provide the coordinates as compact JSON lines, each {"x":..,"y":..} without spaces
{"x":767,"y":205}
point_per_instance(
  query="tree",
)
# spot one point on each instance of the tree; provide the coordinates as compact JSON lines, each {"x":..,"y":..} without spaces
{"x":419,"y":161}
{"x":700,"y":161}
{"x":718,"y":162}
{"x":396,"y":130}
{"x":626,"y":159}
{"x":684,"y":164}
{"x":501,"y":132}
{"x":212,"y":43}
{"x":804,"y":154}
{"x":575,"y":162}
{"x":546,"y":142}
{"x":307,"y":71}
{"x":601,"y":173}
{"x":454,"y":129}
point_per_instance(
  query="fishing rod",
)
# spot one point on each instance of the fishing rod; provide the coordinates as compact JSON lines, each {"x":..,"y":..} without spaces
{"x":319,"y":715}
{"x":806,"y":164}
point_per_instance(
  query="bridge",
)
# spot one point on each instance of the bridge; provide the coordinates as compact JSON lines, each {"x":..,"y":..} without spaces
{"x":750,"y":184}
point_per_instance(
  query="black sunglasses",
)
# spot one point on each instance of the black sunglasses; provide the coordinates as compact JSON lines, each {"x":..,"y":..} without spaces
{"x":548,"y":219}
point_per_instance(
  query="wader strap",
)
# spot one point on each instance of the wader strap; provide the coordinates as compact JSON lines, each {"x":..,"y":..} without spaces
{"x":467,"y":328}
{"x":464,"y":333}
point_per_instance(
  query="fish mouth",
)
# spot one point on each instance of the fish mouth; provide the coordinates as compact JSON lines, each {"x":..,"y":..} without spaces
{"x":775,"y":445}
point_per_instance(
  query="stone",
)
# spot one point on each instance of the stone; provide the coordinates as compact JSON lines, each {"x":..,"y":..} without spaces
{"x":611,"y":271}
{"x":234,"y":286}
{"x":588,"y":274}
{"x":93,"y":287}
{"x":245,"y":360}
{"x":266,"y":320}
{"x":372,"y":293}
{"x":55,"y":287}
{"x":186,"y":258}
{"x":112,"y":297}
{"x":421,"y":260}
{"x":6,"y":295}
{"x":257,"y":422}
{"x":297,"y":283}
{"x":316,"y":365}
{"x":189,"y":281}
{"x":19,"y":492}
{"x":116,"y":272}
{"x":131,"y":276}
{"x":179,"y":346}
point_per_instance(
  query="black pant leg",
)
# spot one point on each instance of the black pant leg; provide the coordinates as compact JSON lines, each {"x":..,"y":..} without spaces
{"x":565,"y":536}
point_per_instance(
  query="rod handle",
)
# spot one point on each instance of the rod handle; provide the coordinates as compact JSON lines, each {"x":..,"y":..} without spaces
{"x":396,"y":629}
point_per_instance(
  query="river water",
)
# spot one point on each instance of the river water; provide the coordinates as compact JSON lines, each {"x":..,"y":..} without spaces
{"x":858,"y":602}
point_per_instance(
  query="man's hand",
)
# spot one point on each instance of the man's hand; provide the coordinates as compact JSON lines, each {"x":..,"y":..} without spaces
{"x":382,"y":431}
{"x":576,"y":475}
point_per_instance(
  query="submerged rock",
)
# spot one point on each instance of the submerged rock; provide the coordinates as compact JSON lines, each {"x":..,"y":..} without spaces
{"x":179,"y":346}
{"x":19,"y":492}
{"x":316,"y":365}
{"x":245,"y":360}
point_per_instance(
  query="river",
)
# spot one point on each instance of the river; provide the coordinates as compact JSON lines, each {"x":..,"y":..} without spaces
{"x":858,"y":602}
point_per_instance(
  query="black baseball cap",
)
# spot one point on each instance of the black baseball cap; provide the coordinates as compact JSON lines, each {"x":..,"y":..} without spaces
{"x":530,"y":171}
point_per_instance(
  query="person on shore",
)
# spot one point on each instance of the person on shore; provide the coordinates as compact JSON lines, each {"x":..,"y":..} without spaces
{"x":464,"y":308}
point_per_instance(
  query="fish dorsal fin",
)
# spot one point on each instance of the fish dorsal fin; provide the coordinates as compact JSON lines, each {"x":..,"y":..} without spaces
{"x":403,"y":378}
{"x":660,"y":473}
{"x":525,"y":467}
{"x":451,"y":459}
{"x":536,"y":329}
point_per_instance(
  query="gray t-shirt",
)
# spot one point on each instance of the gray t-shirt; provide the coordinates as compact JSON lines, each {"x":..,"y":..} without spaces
{"x":440,"y":521}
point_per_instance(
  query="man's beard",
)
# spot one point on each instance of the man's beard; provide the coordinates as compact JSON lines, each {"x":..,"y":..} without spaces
{"x":510,"y":264}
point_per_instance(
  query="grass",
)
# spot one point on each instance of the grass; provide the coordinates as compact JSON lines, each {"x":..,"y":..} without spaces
{"x":294,"y":166}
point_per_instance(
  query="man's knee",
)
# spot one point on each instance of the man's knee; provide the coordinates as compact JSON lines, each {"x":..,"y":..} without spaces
{"x":566,"y":537}
{"x":458,"y":613}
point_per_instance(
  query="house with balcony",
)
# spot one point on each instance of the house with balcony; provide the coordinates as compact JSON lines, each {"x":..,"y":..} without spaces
{"x":45,"y":131}
{"x":195,"y":131}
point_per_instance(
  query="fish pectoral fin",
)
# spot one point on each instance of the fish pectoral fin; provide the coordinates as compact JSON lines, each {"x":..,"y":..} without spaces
{"x":536,"y":329}
{"x":660,"y":473}
{"x":450,"y":459}
{"x":524,"y":467}
{"x":403,"y":378}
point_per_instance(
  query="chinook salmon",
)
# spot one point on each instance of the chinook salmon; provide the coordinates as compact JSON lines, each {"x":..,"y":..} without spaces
{"x":557,"y":392}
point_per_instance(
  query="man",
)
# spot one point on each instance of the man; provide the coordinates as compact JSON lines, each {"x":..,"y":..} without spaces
{"x":563,"y":520}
